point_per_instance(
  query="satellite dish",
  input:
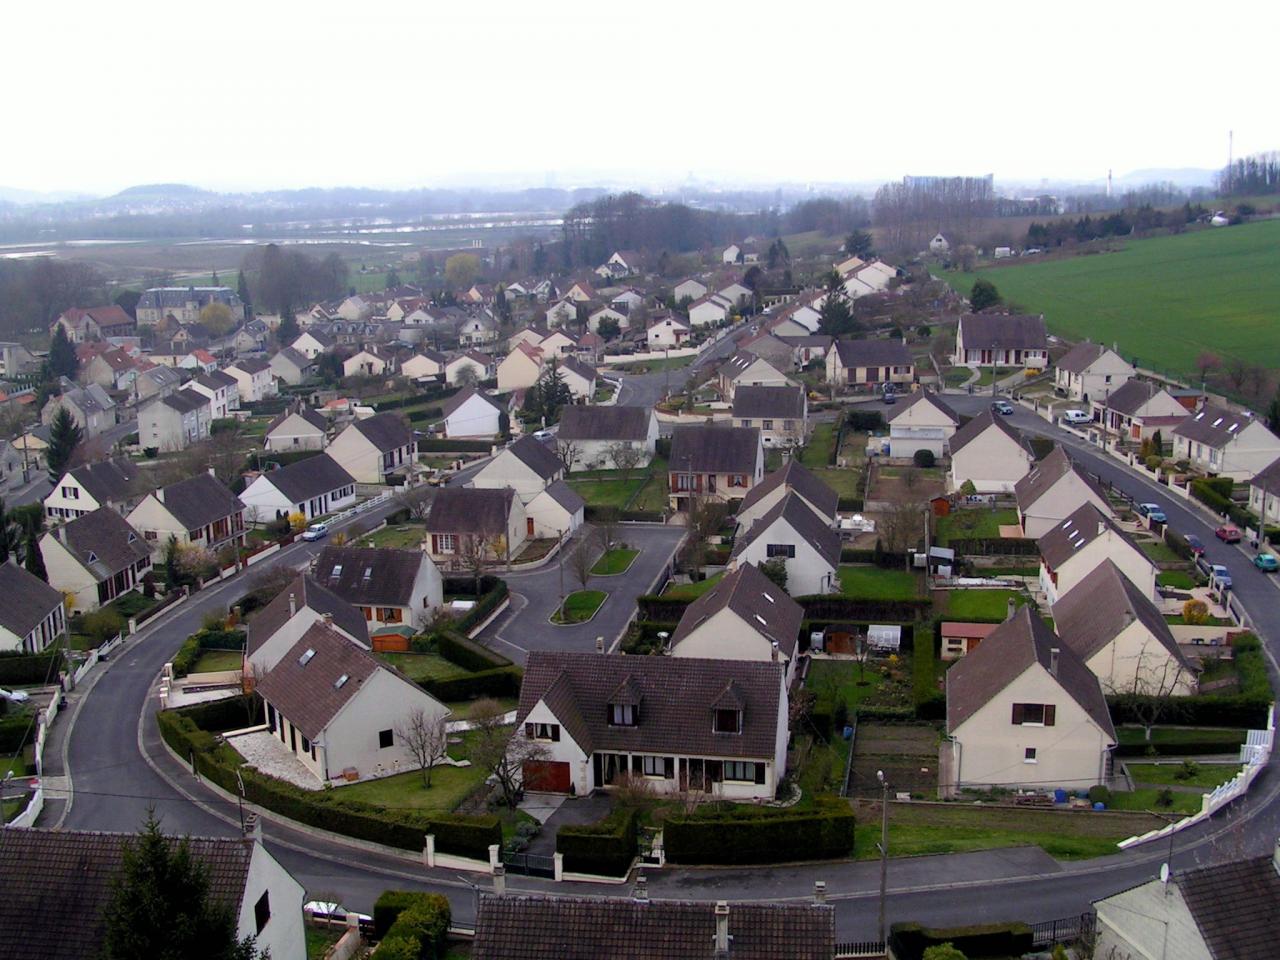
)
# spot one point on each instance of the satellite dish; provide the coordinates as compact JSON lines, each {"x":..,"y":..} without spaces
{"x":1164,"y":873}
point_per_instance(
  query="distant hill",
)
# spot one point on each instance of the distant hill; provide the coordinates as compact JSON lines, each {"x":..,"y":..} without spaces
{"x":177,"y":190}
{"x":1185,"y":177}
{"x":1143,"y":297}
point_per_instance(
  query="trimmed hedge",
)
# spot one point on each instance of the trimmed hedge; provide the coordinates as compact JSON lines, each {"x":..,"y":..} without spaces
{"x":833,"y":607}
{"x":996,"y":547}
{"x":465,"y":652}
{"x":881,"y":558}
{"x":1215,"y":493}
{"x":725,"y":834}
{"x":855,"y":504}
{"x":664,"y":609}
{"x":498,"y":682}
{"x":419,"y":928}
{"x":19,"y":669}
{"x":388,"y":907}
{"x":425,"y":416}
{"x":605,"y":848}
{"x":16,"y":731}
{"x":326,"y":809}
{"x":595,"y":512}
{"x":1174,"y":748}
{"x":485,"y":605}
{"x":444,"y":445}
{"x":229,"y":713}
{"x":865,"y":420}
{"x":206,"y":639}
{"x":930,"y":702}
{"x":910,"y":940}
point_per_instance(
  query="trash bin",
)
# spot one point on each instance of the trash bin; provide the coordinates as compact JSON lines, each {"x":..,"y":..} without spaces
{"x":1059,"y":796}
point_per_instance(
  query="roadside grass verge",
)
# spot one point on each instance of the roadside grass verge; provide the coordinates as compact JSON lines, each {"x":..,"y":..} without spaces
{"x":579,"y":606}
{"x":614,"y":562}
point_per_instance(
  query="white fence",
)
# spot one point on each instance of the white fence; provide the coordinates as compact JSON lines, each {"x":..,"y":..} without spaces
{"x":27,"y":818}
{"x":1254,"y":754}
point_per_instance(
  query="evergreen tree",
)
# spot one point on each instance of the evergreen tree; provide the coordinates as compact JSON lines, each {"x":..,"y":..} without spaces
{"x":1273,"y":414}
{"x":162,"y":907}
{"x":34,"y":559}
{"x":393,"y":278}
{"x":64,"y":437}
{"x":836,"y":316}
{"x":288,"y":330}
{"x":242,"y":288}
{"x":62,"y":360}
{"x":214,"y":281}
{"x":858,"y":244}
{"x":548,"y":395}
{"x":984,"y":294}
{"x":8,"y":534}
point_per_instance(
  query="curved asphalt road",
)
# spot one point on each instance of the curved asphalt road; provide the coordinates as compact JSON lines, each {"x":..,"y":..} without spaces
{"x":120,"y":769}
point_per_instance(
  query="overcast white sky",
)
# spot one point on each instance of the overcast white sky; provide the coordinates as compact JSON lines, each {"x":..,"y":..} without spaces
{"x":277,"y":93}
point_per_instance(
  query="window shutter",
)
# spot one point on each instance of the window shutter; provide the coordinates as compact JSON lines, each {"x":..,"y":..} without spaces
{"x":555,"y":733}
{"x":1049,"y":714}
{"x":669,"y":767}
{"x":1017,"y":713}
{"x":759,"y":772}
{"x":528,"y":730}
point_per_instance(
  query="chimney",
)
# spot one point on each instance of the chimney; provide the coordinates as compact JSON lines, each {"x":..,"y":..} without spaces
{"x":327,"y":618}
{"x":599,"y":644}
{"x":1010,"y":609}
{"x":1053,"y":660}
{"x":722,"y":928}
{"x":499,"y":879}
{"x":642,"y":889}
{"x":1275,"y":855}
{"x":293,"y":606}
{"x":819,"y":892}
{"x":774,"y":651}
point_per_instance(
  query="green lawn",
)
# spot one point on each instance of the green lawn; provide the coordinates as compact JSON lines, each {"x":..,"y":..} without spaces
{"x":406,"y":536}
{"x":652,"y":366}
{"x":876,"y":583}
{"x":846,"y":482}
{"x":691,"y":591}
{"x":320,"y":939}
{"x":212,"y":661}
{"x":1229,"y":737}
{"x":1159,"y":551}
{"x":579,"y":606}
{"x":974,"y":524}
{"x":1178,"y":620}
{"x":1205,"y":775}
{"x":423,"y":666}
{"x":817,"y":452}
{"x":653,"y":496}
{"x":1177,"y":579}
{"x":835,"y":680}
{"x":957,"y":376}
{"x":922,"y":829}
{"x":449,"y":787}
{"x":1149,"y":800}
{"x":1141,"y":297}
{"x":607,"y":493}
{"x":614,"y":562}
{"x":981,"y":604}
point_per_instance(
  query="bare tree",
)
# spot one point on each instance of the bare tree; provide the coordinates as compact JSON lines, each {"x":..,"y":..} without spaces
{"x":910,"y":477}
{"x":1206,"y":363}
{"x":625,"y":456}
{"x":474,"y":556}
{"x":583,"y":557}
{"x":704,"y":518}
{"x":606,"y":524}
{"x":426,"y":738}
{"x":899,"y":526}
{"x":1157,"y":677}
{"x":1236,"y":370}
{"x":417,"y":501}
{"x":501,"y":751}
{"x":569,"y":452}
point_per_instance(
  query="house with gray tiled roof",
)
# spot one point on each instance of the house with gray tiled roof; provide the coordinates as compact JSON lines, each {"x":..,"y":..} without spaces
{"x":185,"y":303}
{"x":96,"y":558}
{"x":1090,"y":371}
{"x":598,"y":431}
{"x":792,"y":533}
{"x":283,"y":621}
{"x":464,"y":520}
{"x":1025,"y":710}
{"x":198,"y":511}
{"x":310,"y":488}
{"x":1225,"y":443}
{"x":175,"y":422}
{"x":392,"y":588}
{"x":1001,"y":340}
{"x":713,"y":462}
{"x":297,"y":428}
{"x":1135,"y":410}
{"x":1055,"y":488}
{"x":118,"y":484}
{"x":373,"y":449}
{"x":1072,"y":549}
{"x":33,"y":615}
{"x":869,"y":363}
{"x":712,"y":728}
{"x":528,"y":466}
{"x":57,"y":885}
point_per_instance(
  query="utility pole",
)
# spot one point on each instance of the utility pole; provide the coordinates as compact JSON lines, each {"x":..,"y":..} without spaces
{"x":560,"y":558}
{"x":883,"y":845}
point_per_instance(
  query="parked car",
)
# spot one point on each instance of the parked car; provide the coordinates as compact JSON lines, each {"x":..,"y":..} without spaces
{"x":1221,"y":574}
{"x":542,"y":435}
{"x":1153,"y":512}
{"x":1266,"y":562}
{"x":890,"y":398}
{"x":1077,"y":416}
{"x":316,"y":531}
{"x":1228,"y":533}
{"x":1002,"y":407}
{"x":14,"y":696}
{"x":1195,"y":543}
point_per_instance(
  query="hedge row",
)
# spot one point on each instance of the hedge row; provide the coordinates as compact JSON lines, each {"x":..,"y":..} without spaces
{"x":881,"y":558}
{"x":460,"y":649}
{"x":930,"y":702}
{"x":605,"y":848}
{"x":642,"y":637}
{"x":1175,"y":748}
{"x":326,"y":809}
{"x":485,"y":605}
{"x":829,"y":607}
{"x":411,"y":925}
{"x":20,"y":669}
{"x":855,"y":504}
{"x":425,"y":416}
{"x":445,"y":445}
{"x":725,"y":834}
{"x":413,"y":399}
{"x":202,"y":640}
{"x":1215,"y":493}
{"x":498,"y":682}
{"x":908,"y":941}
{"x":996,"y":547}
{"x":865,"y":420}
{"x":16,"y":731}
{"x":594,"y":512}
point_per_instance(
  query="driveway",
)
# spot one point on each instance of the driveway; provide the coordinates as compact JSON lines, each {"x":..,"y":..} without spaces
{"x":535,"y":595}
{"x":572,"y":812}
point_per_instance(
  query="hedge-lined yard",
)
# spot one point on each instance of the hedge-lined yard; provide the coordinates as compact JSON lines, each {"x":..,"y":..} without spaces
{"x":990,"y":606}
{"x":877,"y":583}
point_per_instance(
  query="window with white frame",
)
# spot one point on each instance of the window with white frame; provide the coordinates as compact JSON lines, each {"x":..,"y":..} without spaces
{"x":447,"y":543}
{"x":653,"y":766}
{"x":622,"y":715}
{"x":1029,"y":755}
{"x":741,"y":770}
{"x":787,"y":550}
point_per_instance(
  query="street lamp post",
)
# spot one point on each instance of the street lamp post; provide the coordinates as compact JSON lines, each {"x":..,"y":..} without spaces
{"x":883,"y":845}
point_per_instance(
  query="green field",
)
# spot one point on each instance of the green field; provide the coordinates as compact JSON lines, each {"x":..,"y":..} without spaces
{"x":877,"y":583}
{"x":1164,"y":300}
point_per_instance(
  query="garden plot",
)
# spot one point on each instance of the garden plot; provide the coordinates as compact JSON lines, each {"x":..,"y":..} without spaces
{"x":906,"y":753}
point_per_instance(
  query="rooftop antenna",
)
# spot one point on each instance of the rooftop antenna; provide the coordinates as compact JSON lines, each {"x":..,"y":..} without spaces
{"x":1108,"y":184}
{"x":1231,"y":136}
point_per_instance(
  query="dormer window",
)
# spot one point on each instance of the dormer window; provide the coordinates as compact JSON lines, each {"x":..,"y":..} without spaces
{"x":336,"y":572}
{"x":306,"y":657}
{"x":623,"y":715}
{"x":93,"y":557}
{"x":727,"y":721}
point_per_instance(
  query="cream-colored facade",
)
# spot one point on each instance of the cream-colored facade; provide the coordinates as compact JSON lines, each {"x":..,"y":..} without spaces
{"x":1108,"y":545}
{"x":1148,"y":922}
{"x":993,"y":461}
{"x":1103,"y":376}
{"x":519,"y":370}
{"x":989,"y":749}
{"x":1064,"y":498}
{"x":726,"y":636}
{"x":1136,"y":662}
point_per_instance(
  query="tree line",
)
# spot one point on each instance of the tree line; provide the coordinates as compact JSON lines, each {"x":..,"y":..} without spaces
{"x":1055,"y":233}
{"x":1256,"y":175}
{"x":33,"y":292}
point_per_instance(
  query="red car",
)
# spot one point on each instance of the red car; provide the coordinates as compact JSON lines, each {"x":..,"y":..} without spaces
{"x":1228,"y":533}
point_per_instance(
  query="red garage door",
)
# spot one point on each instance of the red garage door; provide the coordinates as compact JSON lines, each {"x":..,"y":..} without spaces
{"x":546,"y":776}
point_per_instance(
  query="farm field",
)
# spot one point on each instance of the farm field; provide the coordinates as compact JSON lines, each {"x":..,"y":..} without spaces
{"x":1164,"y":299}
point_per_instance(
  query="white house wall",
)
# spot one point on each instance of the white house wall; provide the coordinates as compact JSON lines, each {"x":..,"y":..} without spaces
{"x":993,"y":461}
{"x":284,"y":936}
{"x":1135,"y":661}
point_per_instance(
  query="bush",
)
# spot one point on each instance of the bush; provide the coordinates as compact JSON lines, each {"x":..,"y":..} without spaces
{"x":880,"y":557}
{"x":944,"y":951}
{"x":909,"y":941}
{"x":16,"y":731}
{"x":423,"y":925}
{"x":725,"y":834}
{"x":388,"y":907}
{"x":930,"y":702}
{"x":865,"y":420}
{"x":498,"y":682}
{"x":605,"y":848}
{"x":19,"y":669}
{"x":1100,"y":794}
{"x":485,"y":605}
{"x":465,"y":836}
{"x":466,"y":653}
{"x":101,"y":625}
{"x":923,"y":458}
{"x":401,"y":948}
{"x":444,"y":445}
{"x":836,"y":608}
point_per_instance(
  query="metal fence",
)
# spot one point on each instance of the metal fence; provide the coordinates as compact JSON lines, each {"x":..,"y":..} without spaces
{"x":530,"y":864}
{"x":848,"y":764}
{"x":1064,"y":930}
{"x":860,"y":948}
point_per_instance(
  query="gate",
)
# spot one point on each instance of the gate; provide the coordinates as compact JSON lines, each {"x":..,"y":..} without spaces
{"x":530,"y":864}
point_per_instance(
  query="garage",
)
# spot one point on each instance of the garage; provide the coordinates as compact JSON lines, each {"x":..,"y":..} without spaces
{"x":546,"y":776}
